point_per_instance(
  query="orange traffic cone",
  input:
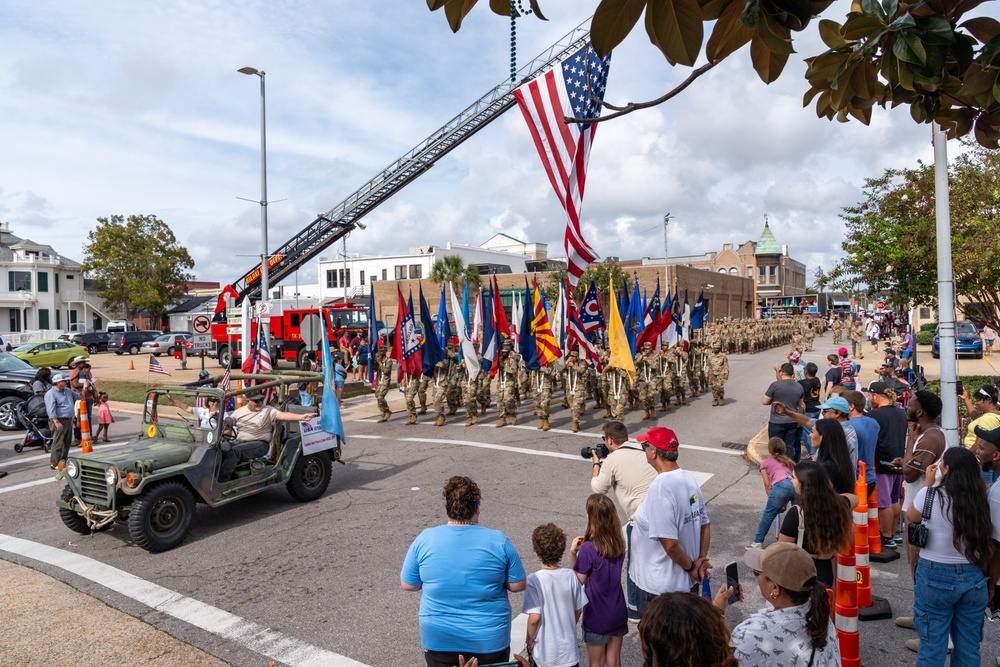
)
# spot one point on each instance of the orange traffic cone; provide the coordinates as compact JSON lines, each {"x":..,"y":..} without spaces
{"x":861,"y":539}
{"x":85,"y":442}
{"x":131,"y":365}
{"x":240,"y":399}
{"x":870,"y":606}
{"x":846,"y":609}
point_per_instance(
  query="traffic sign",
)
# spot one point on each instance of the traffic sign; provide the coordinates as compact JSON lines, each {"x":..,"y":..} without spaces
{"x":880,"y":305}
{"x":310,"y":331}
{"x":201,"y":342}
{"x":234,"y":313}
{"x":201,"y":324}
{"x":234,"y":330}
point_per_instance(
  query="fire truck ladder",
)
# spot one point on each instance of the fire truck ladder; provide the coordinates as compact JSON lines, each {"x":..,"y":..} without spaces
{"x":330,"y":227}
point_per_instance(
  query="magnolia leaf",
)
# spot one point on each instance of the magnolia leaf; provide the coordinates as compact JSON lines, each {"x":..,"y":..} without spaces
{"x":863,"y":79}
{"x":983,"y":28}
{"x":829,"y":32}
{"x":987,"y":130}
{"x":843,"y":91}
{"x":825,"y":67}
{"x":712,"y":9}
{"x":536,"y":9}
{"x":990,"y":51}
{"x":612,"y":22}
{"x":435,"y":5}
{"x":500,"y":7}
{"x":728,"y":35}
{"x":766,"y":63}
{"x":775,"y":36}
{"x":936,"y":30}
{"x":810,"y":95}
{"x":873,"y":9}
{"x":964,"y":7}
{"x":996,"y":90}
{"x":901,"y":49}
{"x":890,"y":7}
{"x":903,"y":74}
{"x":861,"y":27}
{"x":675,"y":26}
{"x":751,"y":14}
{"x":903,"y":22}
{"x":456,"y":11}
{"x":916,"y":46}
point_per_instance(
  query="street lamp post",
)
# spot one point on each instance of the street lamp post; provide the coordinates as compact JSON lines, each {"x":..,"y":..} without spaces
{"x":263,"y":185}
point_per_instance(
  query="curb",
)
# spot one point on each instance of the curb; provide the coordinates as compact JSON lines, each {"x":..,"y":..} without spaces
{"x":757,"y":447}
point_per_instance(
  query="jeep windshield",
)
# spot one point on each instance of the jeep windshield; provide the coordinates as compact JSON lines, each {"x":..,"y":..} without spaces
{"x":182,"y":414}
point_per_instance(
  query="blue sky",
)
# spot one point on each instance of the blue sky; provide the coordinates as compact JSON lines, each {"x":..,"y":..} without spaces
{"x":124,"y":107}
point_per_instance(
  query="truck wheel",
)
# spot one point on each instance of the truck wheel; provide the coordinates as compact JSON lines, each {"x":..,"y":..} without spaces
{"x":74,"y":520}
{"x":225,"y":357}
{"x":301,"y":356}
{"x":310,"y":477}
{"x":159,"y":520}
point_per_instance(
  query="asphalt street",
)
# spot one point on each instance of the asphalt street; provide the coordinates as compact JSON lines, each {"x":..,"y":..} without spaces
{"x":268,"y":578}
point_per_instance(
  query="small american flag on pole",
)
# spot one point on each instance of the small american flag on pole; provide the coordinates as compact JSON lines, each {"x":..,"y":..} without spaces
{"x":565,"y":147}
{"x":156,"y":367}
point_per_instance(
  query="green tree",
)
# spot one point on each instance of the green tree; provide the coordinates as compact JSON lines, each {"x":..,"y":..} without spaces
{"x":139,"y":263}
{"x":452,"y":269}
{"x":888,"y":53}
{"x":891,"y":236}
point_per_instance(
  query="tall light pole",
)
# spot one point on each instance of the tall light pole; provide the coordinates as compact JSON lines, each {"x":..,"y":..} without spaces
{"x":666,"y":257}
{"x":263,"y":185}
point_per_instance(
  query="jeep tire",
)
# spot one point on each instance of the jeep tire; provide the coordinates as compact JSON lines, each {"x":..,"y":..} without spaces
{"x":72,"y":519}
{"x":310,"y":477}
{"x":160,"y":518}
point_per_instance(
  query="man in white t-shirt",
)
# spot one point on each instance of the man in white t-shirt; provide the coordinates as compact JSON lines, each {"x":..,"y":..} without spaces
{"x":672,"y":533}
{"x":254,"y":424}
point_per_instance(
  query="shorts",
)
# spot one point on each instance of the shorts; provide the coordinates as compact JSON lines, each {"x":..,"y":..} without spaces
{"x":887,"y":488}
{"x":905,"y":354}
{"x":595,"y":639}
{"x":874,"y":340}
{"x":989,"y":341}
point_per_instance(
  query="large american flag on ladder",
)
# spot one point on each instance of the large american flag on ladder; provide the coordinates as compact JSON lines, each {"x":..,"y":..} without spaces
{"x":565,"y":147}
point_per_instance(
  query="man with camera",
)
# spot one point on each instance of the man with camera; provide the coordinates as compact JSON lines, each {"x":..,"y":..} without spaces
{"x":621,"y":466}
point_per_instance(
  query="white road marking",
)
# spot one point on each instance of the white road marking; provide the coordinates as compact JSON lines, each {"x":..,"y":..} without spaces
{"x":74,"y":451}
{"x":25,"y":485}
{"x":252,"y":636}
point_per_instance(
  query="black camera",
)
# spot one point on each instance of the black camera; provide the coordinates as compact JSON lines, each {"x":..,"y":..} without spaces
{"x":601,"y":450}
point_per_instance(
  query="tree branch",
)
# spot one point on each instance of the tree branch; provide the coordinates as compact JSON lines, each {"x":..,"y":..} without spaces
{"x":635,"y":106}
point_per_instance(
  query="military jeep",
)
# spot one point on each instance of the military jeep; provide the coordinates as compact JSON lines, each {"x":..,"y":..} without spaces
{"x":152,"y":485}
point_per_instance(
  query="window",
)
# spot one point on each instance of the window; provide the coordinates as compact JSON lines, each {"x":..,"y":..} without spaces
{"x":733,"y":271}
{"x":722,"y":270}
{"x":400,"y":272}
{"x":70,"y":277}
{"x":415,"y":272}
{"x":385,"y":274}
{"x":767,"y":275}
{"x":750,"y":272}
{"x":58,"y":312}
{"x":57,"y":289}
{"x":925,"y":313}
{"x":43,"y":283}
{"x":43,"y":317}
{"x":331,"y":278}
{"x":361,"y":279}
{"x":19,"y":280}
{"x":345,"y":278}
{"x":15,"y":319}
{"x":373,"y":278}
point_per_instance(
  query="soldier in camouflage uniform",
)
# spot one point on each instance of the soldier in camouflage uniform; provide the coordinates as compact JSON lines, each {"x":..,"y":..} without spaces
{"x":857,"y":335}
{"x":509,"y":362}
{"x":666,"y":377}
{"x":717,"y":370}
{"x":678,"y":366}
{"x":810,"y":336}
{"x":454,"y":394}
{"x":797,"y":340}
{"x":410,"y":392}
{"x":383,"y":374}
{"x":647,"y":379}
{"x":470,"y":394}
{"x":575,"y":374}
{"x":542,"y":381}
{"x":699,"y":380}
{"x":618,"y":391}
{"x":838,"y":327}
{"x":597,"y":381}
{"x":441,"y":373}
{"x":425,"y":382}
{"x":483,"y":388}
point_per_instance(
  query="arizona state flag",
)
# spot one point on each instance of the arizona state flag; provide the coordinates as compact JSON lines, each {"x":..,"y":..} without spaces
{"x":621,"y":355}
{"x":548,"y":344}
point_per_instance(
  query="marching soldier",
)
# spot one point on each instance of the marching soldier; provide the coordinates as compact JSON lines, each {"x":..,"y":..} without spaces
{"x":857,"y":335}
{"x":810,"y":335}
{"x":837,"y":328}
{"x":470,"y":395}
{"x":646,"y":375}
{"x":442,"y":371}
{"x":666,"y":377}
{"x":425,"y":381}
{"x":717,"y":370}
{"x":509,"y":362}
{"x":410,"y":392}
{"x":483,"y":388}
{"x":618,"y":382}
{"x":678,"y":366}
{"x":383,"y":373}
{"x":454,"y":384}
{"x":575,"y":376}
{"x":542,"y":381}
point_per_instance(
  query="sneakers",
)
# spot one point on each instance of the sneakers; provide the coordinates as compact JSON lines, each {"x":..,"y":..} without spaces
{"x":755,"y":545}
{"x":905,"y":622}
{"x":888,"y":542}
{"x":914,"y":645}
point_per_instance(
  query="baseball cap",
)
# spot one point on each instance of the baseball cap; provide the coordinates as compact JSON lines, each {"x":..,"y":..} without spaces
{"x":991,"y":436}
{"x":254,"y":395}
{"x":878,"y":388}
{"x":59,"y":377}
{"x":660,"y":437}
{"x":786,"y":564}
{"x":794,"y":355}
{"x":842,"y":351}
{"x":838,"y":403}
{"x":203,"y":373}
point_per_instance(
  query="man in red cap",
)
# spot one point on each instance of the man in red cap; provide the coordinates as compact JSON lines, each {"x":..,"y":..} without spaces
{"x":671,"y":536}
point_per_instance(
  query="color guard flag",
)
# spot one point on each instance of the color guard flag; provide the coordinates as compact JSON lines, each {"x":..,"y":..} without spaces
{"x":698,"y":312}
{"x":406,"y":343}
{"x":577,"y":333}
{"x":467,"y":349}
{"x":527,"y":347}
{"x":489,"y":344}
{"x":329,"y":420}
{"x":545,"y":340}
{"x":568,"y":89}
{"x":431,"y":351}
{"x":621,"y":355}
{"x":590,"y":310}
{"x":499,"y":315}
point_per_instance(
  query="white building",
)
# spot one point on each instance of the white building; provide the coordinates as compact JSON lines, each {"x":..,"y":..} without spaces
{"x":354,"y":275}
{"x":44,"y":291}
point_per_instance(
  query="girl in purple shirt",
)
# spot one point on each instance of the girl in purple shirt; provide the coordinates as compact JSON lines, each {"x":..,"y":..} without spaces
{"x":597,"y":558}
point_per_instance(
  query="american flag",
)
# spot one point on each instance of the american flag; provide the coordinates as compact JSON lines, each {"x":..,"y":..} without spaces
{"x":156,"y":367}
{"x":565,"y":147}
{"x":262,"y":363}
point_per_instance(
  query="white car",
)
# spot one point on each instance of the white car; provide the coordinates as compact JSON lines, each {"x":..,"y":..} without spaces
{"x":165,"y":344}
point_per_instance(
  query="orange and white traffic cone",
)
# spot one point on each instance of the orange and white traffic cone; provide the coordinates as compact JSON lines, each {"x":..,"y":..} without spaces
{"x":85,"y":442}
{"x":870,"y":606}
{"x":846,"y":609}
{"x":240,"y":399}
{"x":861,"y":540}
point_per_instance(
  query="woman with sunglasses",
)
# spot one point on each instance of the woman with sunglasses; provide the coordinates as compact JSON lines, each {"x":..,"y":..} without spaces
{"x":464,"y":572}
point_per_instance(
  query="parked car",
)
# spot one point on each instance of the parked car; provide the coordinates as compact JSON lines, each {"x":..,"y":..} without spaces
{"x":120,"y":326}
{"x":52,"y":353}
{"x":95,"y":342}
{"x":165,"y":344}
{"x":131,"y":341}
{"x":967,"y":341}
{"x":15,"y":386}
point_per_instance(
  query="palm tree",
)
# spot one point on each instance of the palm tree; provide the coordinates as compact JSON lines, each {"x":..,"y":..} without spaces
{"x":452,"y":269}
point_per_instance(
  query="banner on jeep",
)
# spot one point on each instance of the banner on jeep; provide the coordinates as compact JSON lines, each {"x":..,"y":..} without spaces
{"x":314,"y":438}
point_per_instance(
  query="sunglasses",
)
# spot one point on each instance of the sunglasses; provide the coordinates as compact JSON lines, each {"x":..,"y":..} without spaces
{"x":645,"y":445}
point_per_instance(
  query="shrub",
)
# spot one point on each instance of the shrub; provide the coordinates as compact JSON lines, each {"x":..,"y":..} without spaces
{"x":929,"y":326}
{"x":924,"y":337}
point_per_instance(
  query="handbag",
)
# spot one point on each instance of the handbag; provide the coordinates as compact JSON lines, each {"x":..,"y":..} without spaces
{"x":917,"y":533}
